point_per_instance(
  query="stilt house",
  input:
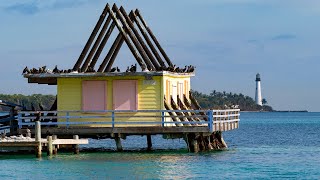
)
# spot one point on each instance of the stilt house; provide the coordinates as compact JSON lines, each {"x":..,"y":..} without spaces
{"x":154,"y":84}
{"x":95,"y":98}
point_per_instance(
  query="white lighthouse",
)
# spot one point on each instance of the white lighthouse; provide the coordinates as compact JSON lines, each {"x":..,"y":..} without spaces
{"x":258,"y":97}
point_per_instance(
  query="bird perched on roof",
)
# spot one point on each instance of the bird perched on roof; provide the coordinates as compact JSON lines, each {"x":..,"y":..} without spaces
{"x":184,"y":69}
{"x":34,"y":71}
{"x":162,"y":68}
{"x":90,"y":69}
{"x":26,"y":70}
{"x":42,"y":69}
{"x":128,"y":69}
{"x":55,"y":70}
{"x":190,"y":69}
{"x":172,"y":68}
{"x":113,"y":69}
{"x":144,"y":68}
{"x":133,"y":68}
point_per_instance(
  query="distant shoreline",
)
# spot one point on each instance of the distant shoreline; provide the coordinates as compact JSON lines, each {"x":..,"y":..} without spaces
{"x":280,"y":111}
{"x":293,"y":111}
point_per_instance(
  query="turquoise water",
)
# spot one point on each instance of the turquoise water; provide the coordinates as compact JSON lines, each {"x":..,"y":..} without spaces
{"x":267,"y":145}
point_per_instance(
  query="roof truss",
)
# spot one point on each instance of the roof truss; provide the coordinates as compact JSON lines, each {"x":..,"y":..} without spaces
{"x":133,"y":30}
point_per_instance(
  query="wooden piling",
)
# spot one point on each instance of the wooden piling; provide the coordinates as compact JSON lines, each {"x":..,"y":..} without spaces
{"x":192,"y":142}
{"x":118,"y":143}
{"x":38,"y":149}
{"x":49,"y":146}
{"x":76,"y":146}
{"x":195,"y":147}
{"x":209,"y":145}
{"x":149,"y":143}
{"x":55,"y":147}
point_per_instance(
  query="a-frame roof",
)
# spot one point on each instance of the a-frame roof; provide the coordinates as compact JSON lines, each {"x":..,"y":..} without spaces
{"x":130,"y":29}
{"x":134,"y":31}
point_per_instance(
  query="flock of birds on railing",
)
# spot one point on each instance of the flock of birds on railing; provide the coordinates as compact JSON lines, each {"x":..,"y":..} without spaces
{"x":132,"y":68}
{"x":234,"y":106}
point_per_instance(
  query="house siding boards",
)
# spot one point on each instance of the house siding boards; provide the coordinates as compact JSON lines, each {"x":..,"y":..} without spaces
{"x":167,"y":89}
{"x":179,"y":83}
{"x":69,"y":94}
{"x":149,"y":97}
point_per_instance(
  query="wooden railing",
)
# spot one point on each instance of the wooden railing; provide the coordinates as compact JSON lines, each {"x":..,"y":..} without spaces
{"x":215,"y":120}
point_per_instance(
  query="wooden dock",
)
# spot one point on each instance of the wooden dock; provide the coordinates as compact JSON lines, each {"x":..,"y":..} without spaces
{"x":115,"y":124}
{"x":51,"y":143}
{"x":202,"y":132}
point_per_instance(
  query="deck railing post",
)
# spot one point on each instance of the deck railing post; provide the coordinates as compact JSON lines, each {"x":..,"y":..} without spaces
{"x":67,"y":119}
{"x":49,"y":146}
{"x":38,"y":138}
{"x":210,"y":117}
{"x":162,"y":118}
{"x":20,"y":120}
{"x":112,"y":116}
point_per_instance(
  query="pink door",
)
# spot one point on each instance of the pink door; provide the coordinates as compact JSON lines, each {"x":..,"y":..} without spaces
{"x":93,"y":95}
{"x":125,"y":95}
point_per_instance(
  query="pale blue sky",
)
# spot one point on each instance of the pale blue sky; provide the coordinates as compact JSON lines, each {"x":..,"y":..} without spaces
{"x":228,"y":41}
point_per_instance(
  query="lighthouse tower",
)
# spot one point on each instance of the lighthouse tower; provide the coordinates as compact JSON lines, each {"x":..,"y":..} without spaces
{"x":258,"y":97}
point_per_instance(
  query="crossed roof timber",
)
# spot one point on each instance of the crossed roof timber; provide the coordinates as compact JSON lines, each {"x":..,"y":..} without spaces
{"x":142,"y":47}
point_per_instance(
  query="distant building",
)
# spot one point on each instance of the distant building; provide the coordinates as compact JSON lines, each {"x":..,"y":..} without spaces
{"x":258,"y":96}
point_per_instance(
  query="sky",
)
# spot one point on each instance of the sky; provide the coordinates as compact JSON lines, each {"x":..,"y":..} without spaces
{"x":228,"y":41}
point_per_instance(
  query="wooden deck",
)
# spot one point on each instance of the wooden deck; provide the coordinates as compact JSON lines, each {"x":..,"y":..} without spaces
{"x":201,"y":129}
{"x":99,"y":123}
{"x":51,"y":143}
{"x":43,"y":141}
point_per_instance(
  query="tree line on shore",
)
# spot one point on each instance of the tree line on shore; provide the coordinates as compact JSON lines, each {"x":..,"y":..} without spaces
{"x":35,"y":100}
{"x":224,"y":100}
{"x":213,"y":100}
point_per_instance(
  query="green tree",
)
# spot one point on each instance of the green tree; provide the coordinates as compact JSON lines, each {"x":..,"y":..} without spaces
{"x":264,"y":101}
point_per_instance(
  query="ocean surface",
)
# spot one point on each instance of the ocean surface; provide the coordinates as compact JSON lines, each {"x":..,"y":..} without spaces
{"x":267,"y":145}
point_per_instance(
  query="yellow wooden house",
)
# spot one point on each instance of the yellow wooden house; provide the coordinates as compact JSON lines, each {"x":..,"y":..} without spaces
{"x":89,"y":90}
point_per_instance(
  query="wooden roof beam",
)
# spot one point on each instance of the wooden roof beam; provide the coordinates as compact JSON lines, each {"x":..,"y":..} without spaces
{"x":95,"y":45}
{"x":114,"y":55}
{"x":145,"y":35}
{"x":90,"y":40}
{"x":140,"y":40}
{"x":102,"y":45}
{"x":137,"y":12}
{"x":114,"y":46}
{"x":124,"y":35}
{"x":133,"y":38}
